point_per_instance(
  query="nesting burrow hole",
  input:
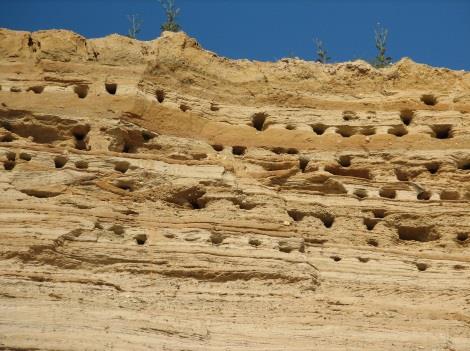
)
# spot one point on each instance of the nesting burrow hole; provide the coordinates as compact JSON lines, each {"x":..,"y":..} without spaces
{"x":367,"y":131}
{"x":184,"y":107}
{"x":421,"y":234}
{"x":429,"y":99}
{"x":140,"y":239}
{"x":238,"y":150}
{"x":258,"y":120}
{"x":81,"y":90}
{"x":80,"y":134}
{"x":296,"y":215}
{"x":281,"y":150}
{"x":388,"y":193}
{"x":125,"y":184}
{"x":402,"y":175}
{"x":424,"y":195}
{"x":361,"y":193}
{"x":449,"y":195}
{"x":421,"y":266}
{"x":407,"y":116}
{"x":290,"y":127}
{"x":117,"y":229}
{"x":319,"y":129}
{"x":433,"y":167}
{"x":303,"y":163}
{"x":379,"y":213}
{"x":111,"y":88}
{"x":160,"y":95}
{"x":345,"y":131}
{"x":372,"y":242}
{"x":81,"y":164}
{"x":370,"y":223}
{"x":398,"y":131}
{"x":60,"y":161}
{"x":8,"y":165}
{"x":327,"y":218}
{"x":38,"y":89}
{"x":254,"y":242}
{"x":218,"y":147}
{"x":216,"y":238}
{"x":442,"y":131}
{"x":121,"y":166}
{"x":344,"y":160}
{"x":25,"y":156}
{"x":464,"y":165}
{"x":462,"y":237}
{"x":349,"y":115}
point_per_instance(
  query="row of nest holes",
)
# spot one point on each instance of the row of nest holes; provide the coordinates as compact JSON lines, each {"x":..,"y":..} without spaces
{"x":327,"y":218}
{"x":421,"y":234}
{"x":10,"y":162}
{"x":259,"y":119}
{"x":123,"y":166}
{"x":439,"y":131}
{"x":59,"y":162}
{"x":432,"y":167}
{"x":442,"y":131}
{"x":236,"y":150}
{"x":419,"y":265}
{"x":218,"y":239}
{"x":140,"y":239}
{"x":423,"y":195}
{"x":241,"y":150}
{"x":344,"y":161}
{"x":81,"y":90}
{"x":79,"y":133}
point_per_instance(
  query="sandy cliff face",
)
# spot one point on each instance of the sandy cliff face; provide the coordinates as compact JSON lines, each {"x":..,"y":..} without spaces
{"x":156,"y":196}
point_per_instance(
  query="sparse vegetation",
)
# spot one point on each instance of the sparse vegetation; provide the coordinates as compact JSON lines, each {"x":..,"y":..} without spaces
{"x":135,"y":26}
{"x":381,"y":60}
{"x":171,"y":12}
{"x":322,"y":54}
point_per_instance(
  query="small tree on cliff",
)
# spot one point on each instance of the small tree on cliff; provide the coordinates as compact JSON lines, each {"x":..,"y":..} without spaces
{"x":322,"y":54}
{"x":135,"y":26}
{"x":381,"y":60}
{"x":171,"y":13}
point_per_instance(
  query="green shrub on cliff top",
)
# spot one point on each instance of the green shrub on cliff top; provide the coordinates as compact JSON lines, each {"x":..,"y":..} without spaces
{"x":171,"y":13}
{"x":381,"y":60}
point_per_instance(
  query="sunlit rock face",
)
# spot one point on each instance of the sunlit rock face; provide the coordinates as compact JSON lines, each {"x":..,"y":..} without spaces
{"x":156,"y":196}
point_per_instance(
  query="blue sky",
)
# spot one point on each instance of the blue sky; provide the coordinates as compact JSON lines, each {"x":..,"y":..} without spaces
{"x":432,"y":32}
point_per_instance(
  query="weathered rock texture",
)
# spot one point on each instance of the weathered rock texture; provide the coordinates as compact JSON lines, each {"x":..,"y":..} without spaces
{"x":156,"y":196}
